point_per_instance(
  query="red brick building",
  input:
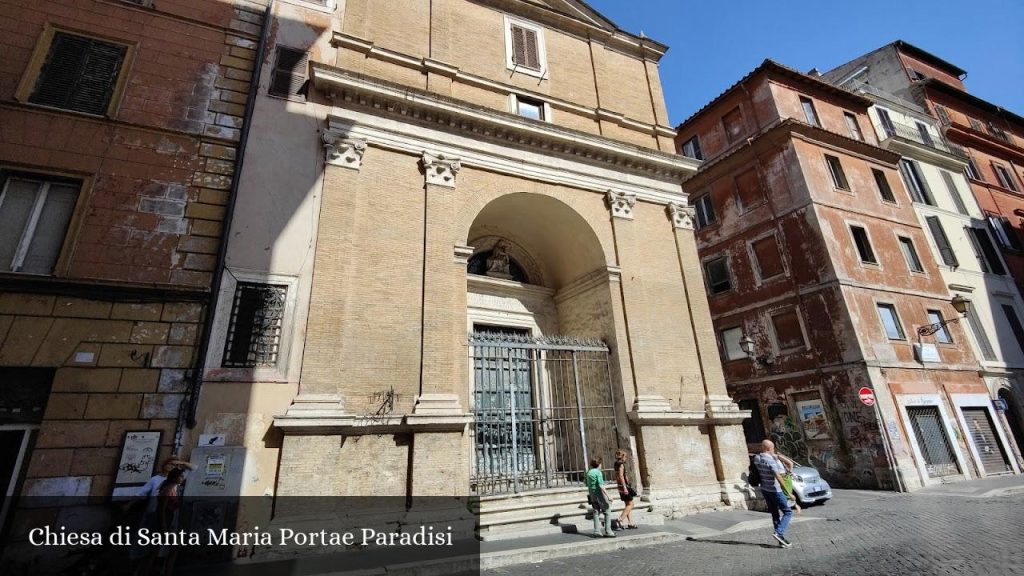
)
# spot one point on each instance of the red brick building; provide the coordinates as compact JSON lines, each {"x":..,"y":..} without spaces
{"x":806,"y":236}
{"x":993,"y":139}
{"x":120,"y":123}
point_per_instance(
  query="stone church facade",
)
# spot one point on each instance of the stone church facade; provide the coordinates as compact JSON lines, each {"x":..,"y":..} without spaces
{"x":480,"y":265}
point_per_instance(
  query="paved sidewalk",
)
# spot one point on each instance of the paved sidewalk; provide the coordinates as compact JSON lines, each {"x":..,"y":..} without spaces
{"x":707,"y":526}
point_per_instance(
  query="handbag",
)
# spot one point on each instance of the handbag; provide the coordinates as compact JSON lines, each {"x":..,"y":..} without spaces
{"x":787,"y":484}
{"x":631,"y":491}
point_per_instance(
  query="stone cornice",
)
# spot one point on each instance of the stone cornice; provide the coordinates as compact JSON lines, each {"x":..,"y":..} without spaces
{"x":411,"y":122}
{"x":447,"y":70}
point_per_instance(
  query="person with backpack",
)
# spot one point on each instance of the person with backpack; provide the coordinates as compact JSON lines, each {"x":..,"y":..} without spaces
{"x":770,"y":471}
{"x":599,"y":499}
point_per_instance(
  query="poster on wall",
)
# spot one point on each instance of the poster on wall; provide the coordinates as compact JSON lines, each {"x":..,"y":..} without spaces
{"x":138,"y":457}
{"x":812,"y":416}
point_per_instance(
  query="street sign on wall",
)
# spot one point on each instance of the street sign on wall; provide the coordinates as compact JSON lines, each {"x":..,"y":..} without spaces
{"x":867,"y":396}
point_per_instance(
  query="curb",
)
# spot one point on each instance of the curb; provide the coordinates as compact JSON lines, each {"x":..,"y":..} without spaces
{"x":540,"y":553}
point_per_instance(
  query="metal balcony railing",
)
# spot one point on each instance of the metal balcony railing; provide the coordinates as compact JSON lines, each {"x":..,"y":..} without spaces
{"x":914,"y":134}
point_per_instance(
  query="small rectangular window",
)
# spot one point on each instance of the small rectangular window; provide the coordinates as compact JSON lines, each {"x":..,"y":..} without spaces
{"x":734,"y":126}
{"x":691,"y":149}
{"x":891,"y":322}
{"x":887,"y":126}
{"x":767,"y":257}
{"x":972,"y":171}
{"x":915,"y":182}
{"x":705,"y":211}
{"x":954,"y":194}
{"x":748,"y":189}
{"x":943,"y":115}
{"x":809,"y":112}
{"x":35,"y":212}
{"x":988,"y":257}
{"x":853,"y":126}
{"x":289,"y":77}
{"x":926,"y":137}
{"x":915,"y":75}
{"x":1005,"y":180}
{"x":1004,"y":232}
{"x":788,"y":334}
{"x":910,"y":254}
{"x":529,"y":107}
{"x":836,"y":169}
{"x":942,"y":335}
{"x":976,"y":125}
{"x":79,"y":73}
{"x":254,"y":330}
{"x":730,"y":338}
{"x":942,"y":241}
{"x":1018,"y":330}
{"x":525,"y":47}
{"x":883,"y":185}
{"x":717,"y":272}
{"x":860,"y":238}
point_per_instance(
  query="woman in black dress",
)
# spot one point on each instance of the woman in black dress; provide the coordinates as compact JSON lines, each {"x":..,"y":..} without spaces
{"x":626,"y":491}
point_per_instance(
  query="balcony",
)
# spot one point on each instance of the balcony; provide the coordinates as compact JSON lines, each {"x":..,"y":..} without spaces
{"x":913,"y":134}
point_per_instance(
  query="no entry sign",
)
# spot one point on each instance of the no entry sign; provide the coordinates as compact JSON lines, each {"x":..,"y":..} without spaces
{"x":867,"y":396}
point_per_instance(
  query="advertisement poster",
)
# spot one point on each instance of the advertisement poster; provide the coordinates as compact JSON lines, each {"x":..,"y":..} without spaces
{"x":812,"y":415}
{"x":138,"y":457}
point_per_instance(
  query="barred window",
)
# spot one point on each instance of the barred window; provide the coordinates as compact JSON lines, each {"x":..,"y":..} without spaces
{"x":254,"y":332}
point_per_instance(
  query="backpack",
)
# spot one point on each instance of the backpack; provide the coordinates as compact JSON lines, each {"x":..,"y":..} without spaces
{"x":753,"y":475}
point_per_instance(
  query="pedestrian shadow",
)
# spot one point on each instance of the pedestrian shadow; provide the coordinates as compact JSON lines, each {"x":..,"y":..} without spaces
{"x":731,"y":542}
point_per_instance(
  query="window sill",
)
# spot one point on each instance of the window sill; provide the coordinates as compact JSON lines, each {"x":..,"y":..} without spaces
{"x":542,"y":73}
{"x":105,"y":116}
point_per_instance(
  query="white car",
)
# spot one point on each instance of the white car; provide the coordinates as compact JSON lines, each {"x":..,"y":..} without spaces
{"x":808,"y":486}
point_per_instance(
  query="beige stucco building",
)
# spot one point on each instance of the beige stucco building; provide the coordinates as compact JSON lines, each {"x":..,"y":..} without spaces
{"x":461,"y":263}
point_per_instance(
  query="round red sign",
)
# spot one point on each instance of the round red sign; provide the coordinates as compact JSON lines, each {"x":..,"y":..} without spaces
{"x":867,"y":396}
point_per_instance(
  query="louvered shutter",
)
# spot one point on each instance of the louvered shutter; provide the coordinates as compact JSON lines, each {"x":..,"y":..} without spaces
{"x":986,"y":250}
{"x":525,"y":51}
{"x":79,"y":74}
{"x":942,"y":242}
{"x":289,"y":72}
{"x":954,"y":193}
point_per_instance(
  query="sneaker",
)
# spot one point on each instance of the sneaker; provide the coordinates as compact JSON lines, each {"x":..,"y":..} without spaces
{"x":782,"y":540}
{"x":610,"y":535}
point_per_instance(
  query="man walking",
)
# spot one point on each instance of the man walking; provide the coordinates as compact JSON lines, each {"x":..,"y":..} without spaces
{"x":771,"y":470}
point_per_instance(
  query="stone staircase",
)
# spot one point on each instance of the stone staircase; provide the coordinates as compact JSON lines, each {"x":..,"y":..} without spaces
{"x":549,"y":511}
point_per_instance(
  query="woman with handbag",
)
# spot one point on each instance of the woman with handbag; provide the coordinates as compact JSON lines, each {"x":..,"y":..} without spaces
{"x":626,"y":491}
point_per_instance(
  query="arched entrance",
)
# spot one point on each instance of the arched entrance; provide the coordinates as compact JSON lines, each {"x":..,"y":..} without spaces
{"x":539,"y":308}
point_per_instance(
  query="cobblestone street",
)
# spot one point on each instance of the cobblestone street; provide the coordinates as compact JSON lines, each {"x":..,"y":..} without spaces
{"x":856,"y":533}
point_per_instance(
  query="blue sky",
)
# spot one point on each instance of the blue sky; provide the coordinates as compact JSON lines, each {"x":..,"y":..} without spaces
{"x":714,"y":43}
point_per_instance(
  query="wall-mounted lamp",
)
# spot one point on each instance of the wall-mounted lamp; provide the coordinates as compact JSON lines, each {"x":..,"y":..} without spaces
{"x":960,"y":304}
{"x":747,"y":345}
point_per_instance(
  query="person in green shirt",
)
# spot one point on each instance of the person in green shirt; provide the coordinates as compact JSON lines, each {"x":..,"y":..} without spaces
{"x":598,"y":499}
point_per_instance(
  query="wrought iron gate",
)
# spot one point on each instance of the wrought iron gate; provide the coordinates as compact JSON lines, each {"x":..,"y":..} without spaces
{"x":938,"y":455}
{"x":541,"y":408}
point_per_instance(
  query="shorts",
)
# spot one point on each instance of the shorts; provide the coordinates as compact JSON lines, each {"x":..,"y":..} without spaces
{"x":625,"y":496}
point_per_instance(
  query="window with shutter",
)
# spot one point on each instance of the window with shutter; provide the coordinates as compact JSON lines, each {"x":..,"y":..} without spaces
{"x":954,"y":194}
{"x":79,"y":73}
{"x":1005,"y":180}
{"x":942,"y":241}
{"x":733,"y":124}
{"x":705,"y":211}
{"x":915,"y":182}
{"x":1004,"y":232}
{"x":988,"y":257}
{"x":35,"y":212}
{"x":748,"y":189}
{"x":942,"y":114}
{"x":1015,"y":325}
{"x":289,"y":77}
{"x":980,"y":337}
{"x":524,"y":47}
{"x":886,"y":121}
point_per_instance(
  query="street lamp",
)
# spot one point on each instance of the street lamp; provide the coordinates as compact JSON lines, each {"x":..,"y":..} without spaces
{"x":747,"y":346}
{"x":960,"y":304}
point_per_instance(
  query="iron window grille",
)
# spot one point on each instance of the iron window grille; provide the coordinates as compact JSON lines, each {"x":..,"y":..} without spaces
{"x":79,"y":73}
{"x":254,"y":333}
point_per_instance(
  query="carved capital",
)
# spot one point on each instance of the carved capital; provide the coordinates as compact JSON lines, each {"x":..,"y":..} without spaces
{"x":682,"y":215}
{"x":344,"y":152}
{"x":440,"y":169}
{"x":621,"y":204}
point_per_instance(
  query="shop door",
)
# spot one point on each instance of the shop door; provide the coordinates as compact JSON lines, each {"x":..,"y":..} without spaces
{"x":986,"y":441}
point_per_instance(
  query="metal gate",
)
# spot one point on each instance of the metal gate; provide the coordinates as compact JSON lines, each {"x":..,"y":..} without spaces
{"x":986,"y":442}
{"x":938,"y":455}
{"x":541,"y":408}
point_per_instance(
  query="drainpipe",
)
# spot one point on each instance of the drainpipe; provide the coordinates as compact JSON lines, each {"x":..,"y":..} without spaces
{"x":187,"y":414}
